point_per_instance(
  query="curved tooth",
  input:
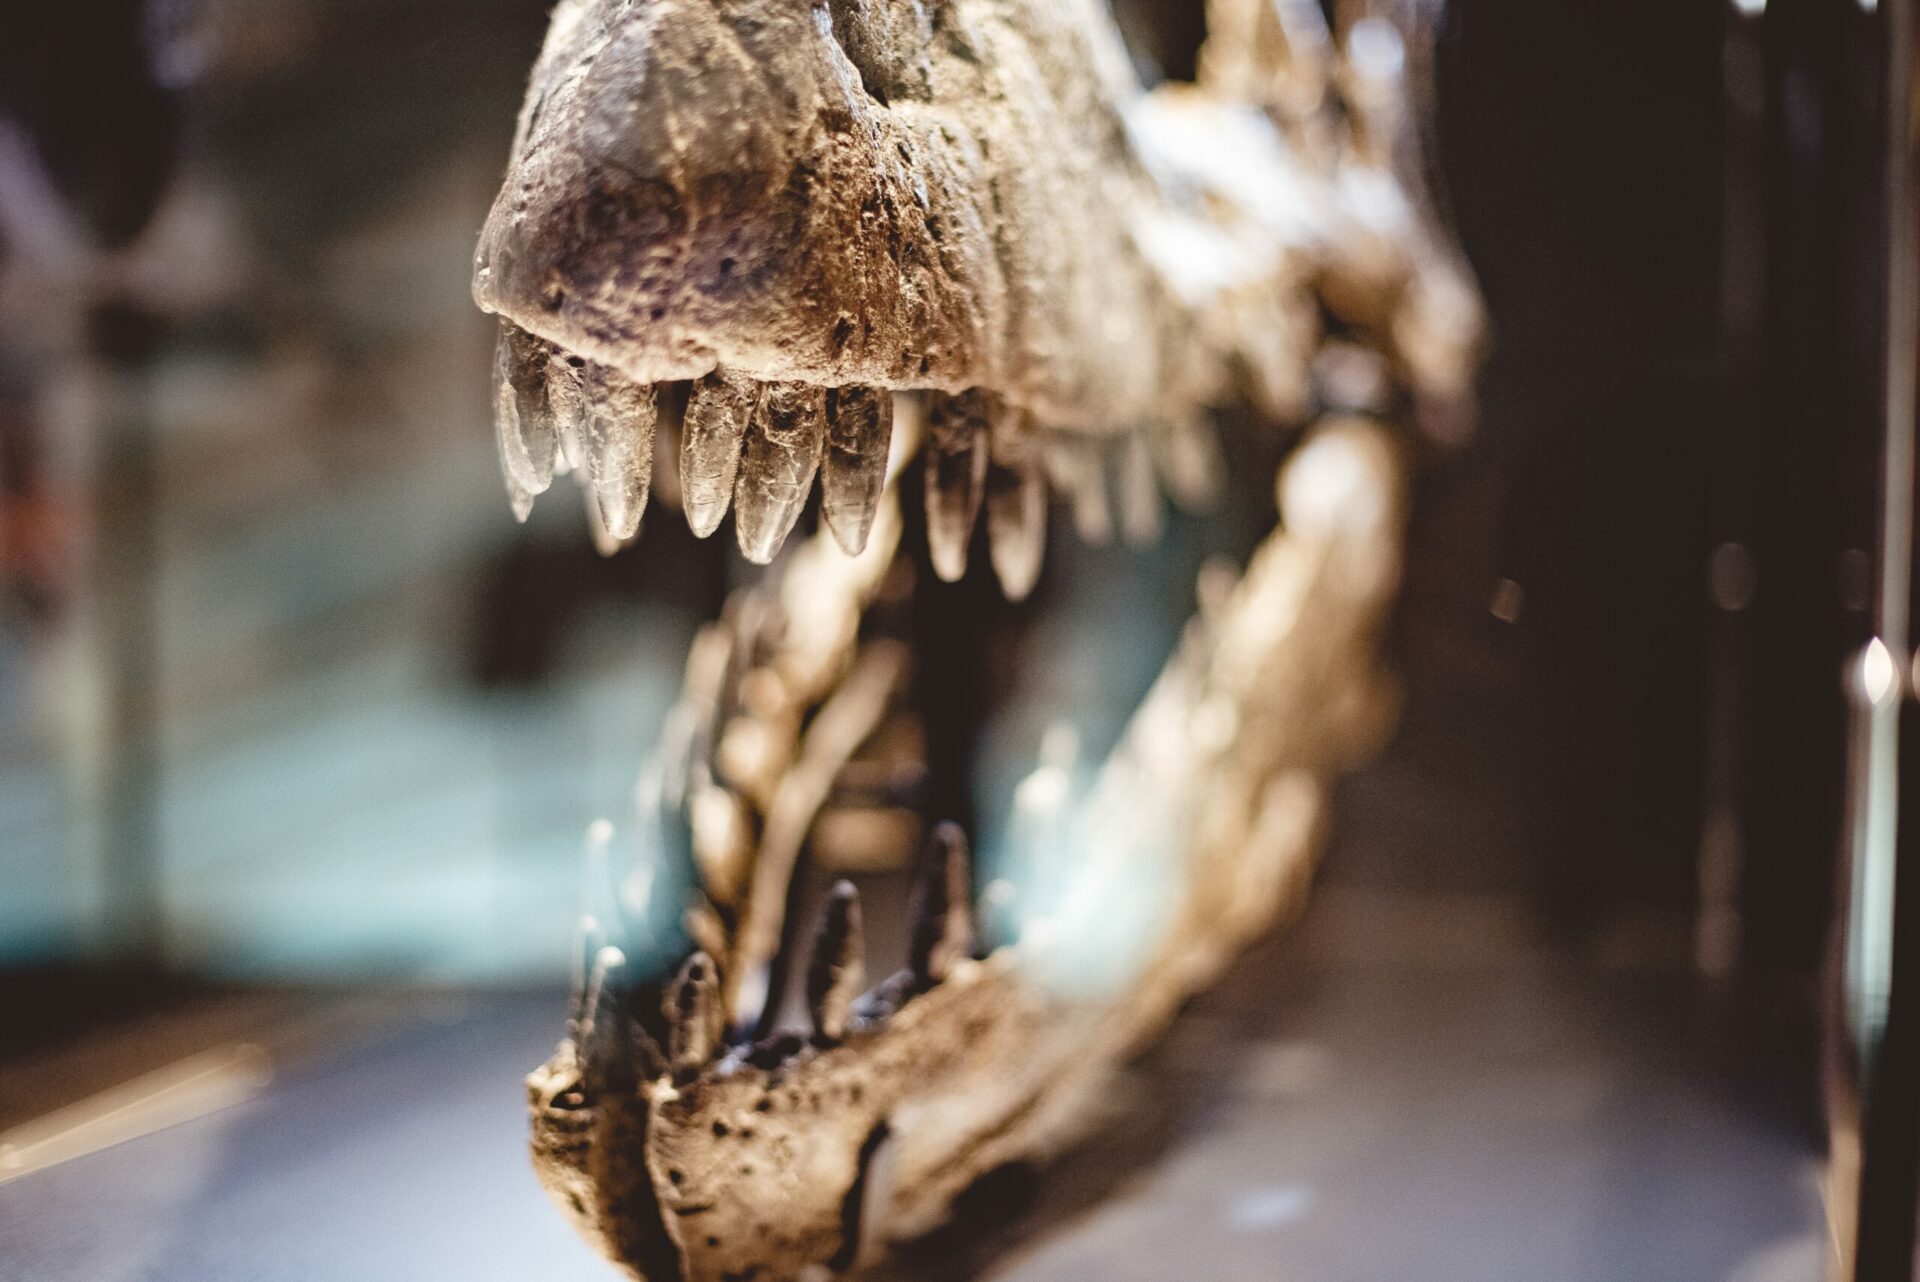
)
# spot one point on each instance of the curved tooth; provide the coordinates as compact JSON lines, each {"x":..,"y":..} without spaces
{"x":522,"y":420}
{"x":1016,"y":521}
{"x":719,"y":407}
{"x":942,"y":908}
{"x":854,"y":472}
{"x":620,"y":418}
{"x":694,"y":1018}
{"x":776,"y":471}
{"x":956,"y":475}
{"x":1141,"y":520}
{"x":837,"y":970}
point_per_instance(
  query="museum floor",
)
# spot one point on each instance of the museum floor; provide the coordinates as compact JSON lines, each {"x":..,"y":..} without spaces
{"x":1402,"y":1086}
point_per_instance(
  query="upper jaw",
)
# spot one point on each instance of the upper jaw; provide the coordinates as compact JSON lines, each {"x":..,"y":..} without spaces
{"x":691,"y":189}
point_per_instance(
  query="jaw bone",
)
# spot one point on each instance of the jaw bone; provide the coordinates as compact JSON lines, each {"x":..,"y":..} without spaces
{"x":746,"y":222}
{"x":768,"y":243}
{"x":1202,"y":826}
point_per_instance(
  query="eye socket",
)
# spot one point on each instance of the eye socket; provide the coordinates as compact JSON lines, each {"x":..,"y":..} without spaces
{"x":568,"y":1101}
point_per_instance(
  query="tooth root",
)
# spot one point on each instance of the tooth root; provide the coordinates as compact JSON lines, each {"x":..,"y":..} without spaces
{"x":692,"y":1008}
{"x":943,"y":908}
{"x":956,"y":474}
{"x":620,"y":418}
{"x":718,"y":409}
{"x":1016,"y":523}
{"x":854,"y":473}
{"x":1141,"y":520}
{"x":782,"y":453}
{"x":522,"y":420}
{"x":836,"y":972}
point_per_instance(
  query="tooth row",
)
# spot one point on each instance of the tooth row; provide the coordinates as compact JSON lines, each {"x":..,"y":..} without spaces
{"x":755,"y":447}
{"x":692,"y":1005}
{"x":557,"y":413}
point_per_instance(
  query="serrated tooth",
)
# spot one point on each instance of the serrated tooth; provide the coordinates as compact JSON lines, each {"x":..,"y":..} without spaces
{"x":854,"y":473}
{"x":784,"y":440}
{"x":942,"y":909}
{"x":1016,"y":521}
{"x":1141,"y":520}
{"x":956,"y":475}
{"x":694,"y":1018}
{"x":836,"y":972}
{"x":620,"y":417}
{"x":719,"y":407}
{"x":522,"y":420}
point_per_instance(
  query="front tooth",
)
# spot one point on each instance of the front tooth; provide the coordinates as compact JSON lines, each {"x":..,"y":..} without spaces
{"x":522,"y":420}
{"x":782,"y":453}
{"x":718,"y":409}
{"x":956,"y":476}
{"x":1016,"y":522}
{"x":943,"y":908}
{"x":1140,"y":517}
{"x":835,"y":974}
{"x":619,"y":437}
{"x":859,"y":428}
{"x":692,"y":1008}
{"x":1076,"y":470}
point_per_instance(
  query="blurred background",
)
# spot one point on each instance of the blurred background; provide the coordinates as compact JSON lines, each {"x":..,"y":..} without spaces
{"x":300,"y":732}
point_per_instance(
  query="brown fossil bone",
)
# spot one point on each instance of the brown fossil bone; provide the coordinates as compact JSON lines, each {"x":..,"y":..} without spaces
{"x":805,"y":241}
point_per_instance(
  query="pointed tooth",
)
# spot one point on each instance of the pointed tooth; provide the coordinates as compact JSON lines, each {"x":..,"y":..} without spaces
{"x":567,"y":401}
{"x":718,"y":409}
{"x":692,"y":1008}
{"x":1195,"y":471}
{"x":588,"y":940}
{"x":956,"y":474}
{"x":522,"y":421}
{"x":521,"y":425}
{"x":836,"y":972}
{"x":943,"y":908}
{"x":620,"y":418}
{"x":615,"y":1051}
{"x":599,"y":892}
{"x":1016,"y":523}
{"x":1079,"y":473}
{"x":777,"y":468}
{"x":600,"y":1004}
{"x":859,"y":427}
{"x":1141,"y":520}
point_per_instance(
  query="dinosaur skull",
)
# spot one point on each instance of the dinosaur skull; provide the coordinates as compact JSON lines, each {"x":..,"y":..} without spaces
{"x":952,"y":246}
